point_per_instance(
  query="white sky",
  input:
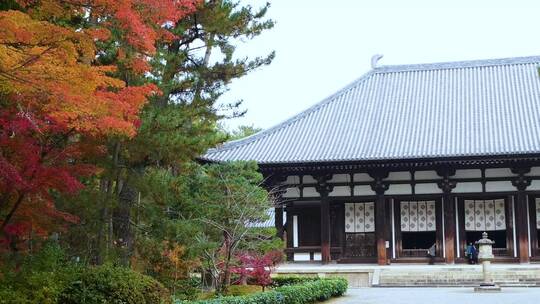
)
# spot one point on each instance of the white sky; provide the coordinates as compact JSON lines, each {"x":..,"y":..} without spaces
{"x":321,"y":46}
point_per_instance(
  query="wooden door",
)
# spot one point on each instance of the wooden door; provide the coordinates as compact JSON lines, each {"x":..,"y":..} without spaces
{"x":359,"y":230}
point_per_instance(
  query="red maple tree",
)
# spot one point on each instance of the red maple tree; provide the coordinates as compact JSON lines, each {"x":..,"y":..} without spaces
{"x":58,"y":102}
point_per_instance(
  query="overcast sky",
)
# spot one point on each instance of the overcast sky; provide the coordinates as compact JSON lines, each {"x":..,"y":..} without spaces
{"x":321,"y":46}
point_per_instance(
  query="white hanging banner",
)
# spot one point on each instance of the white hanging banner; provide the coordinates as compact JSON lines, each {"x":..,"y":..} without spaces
{"x":349,"y":217}
{"x":418,"y":216}
{"x":485,"y":215}
{"x":359,"y":217}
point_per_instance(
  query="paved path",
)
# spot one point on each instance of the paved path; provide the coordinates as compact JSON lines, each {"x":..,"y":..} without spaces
{"x":437,"y":296}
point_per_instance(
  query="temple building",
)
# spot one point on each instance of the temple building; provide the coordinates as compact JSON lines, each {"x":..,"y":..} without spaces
{"x":405,"y":157}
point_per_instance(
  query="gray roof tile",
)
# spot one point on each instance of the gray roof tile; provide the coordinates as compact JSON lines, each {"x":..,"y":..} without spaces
{"x":454,"y":109}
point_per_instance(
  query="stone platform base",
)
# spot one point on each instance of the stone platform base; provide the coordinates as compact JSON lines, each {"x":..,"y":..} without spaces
{"x":487,"y":288}
{"x":409,"y":275}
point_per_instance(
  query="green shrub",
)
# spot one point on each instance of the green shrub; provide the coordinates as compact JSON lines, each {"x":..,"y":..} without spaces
{"x":311,"y":292}
{"x":188,"y":289}
{"x":36,"y":278}
{"x":268,"y":297}
{"x":292,"y":280}
{"x":115,"y":285}
{"x":307,"y":290}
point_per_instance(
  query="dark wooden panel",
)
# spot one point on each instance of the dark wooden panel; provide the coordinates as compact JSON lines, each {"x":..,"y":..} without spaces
{"x":278,"y":220}
{"x":309,"y":226}
{"x":337,"y":224}
{"x":360,"y":245}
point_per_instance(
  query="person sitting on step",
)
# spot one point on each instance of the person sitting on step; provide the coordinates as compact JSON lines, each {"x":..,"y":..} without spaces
{"x":471,"y":254}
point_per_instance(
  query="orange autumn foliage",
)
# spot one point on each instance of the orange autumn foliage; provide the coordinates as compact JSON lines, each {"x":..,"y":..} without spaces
{"x":56,"y":100}
{"x":42,"y":69}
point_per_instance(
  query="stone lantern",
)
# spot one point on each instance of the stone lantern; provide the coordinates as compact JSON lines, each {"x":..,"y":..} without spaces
{"x":485,"y":255}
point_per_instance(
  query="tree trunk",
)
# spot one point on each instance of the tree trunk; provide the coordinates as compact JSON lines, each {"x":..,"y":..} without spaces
{"x":101,"y":250}
{"x":122,"y":229}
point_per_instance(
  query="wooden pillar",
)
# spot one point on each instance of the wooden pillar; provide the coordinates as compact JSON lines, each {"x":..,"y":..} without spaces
{"x":521,"y":182}
{"x":325,"y":230}
{"x":449,"y":214}
{"x":278,"y":219}
{"x":381,"y":225}
{"x":324,"y":189}
{"x":289,"y":223}
{"x":449,"y":228}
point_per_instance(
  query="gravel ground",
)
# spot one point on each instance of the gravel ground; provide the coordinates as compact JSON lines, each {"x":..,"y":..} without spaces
{"x":437,"y":296}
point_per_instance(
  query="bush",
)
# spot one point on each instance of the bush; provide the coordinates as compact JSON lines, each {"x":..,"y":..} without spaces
{"x":307,"y":290}
{"x":292,"y":280}
{"x":310,"y":292}
{"x":37,"y":278}
{"x":109,"y":284}
{"x":188,"y":289}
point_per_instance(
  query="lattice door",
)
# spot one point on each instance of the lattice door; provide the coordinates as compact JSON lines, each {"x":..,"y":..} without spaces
{"x":360,"y":245}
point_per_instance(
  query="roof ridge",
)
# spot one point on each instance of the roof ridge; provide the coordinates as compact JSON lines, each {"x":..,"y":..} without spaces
{"x":261,"y":134}
{"x":456,"y":64}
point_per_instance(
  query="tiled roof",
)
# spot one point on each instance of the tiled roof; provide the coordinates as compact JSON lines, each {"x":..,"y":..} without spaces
{"x":439,"y":110}
{"x":269,"y":222}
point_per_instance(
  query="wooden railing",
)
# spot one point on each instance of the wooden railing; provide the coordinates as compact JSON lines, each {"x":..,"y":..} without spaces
{"x":413,"y":253}
{"x":500,"y":251}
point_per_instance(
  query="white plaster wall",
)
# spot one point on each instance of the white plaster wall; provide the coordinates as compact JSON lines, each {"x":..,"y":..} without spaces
{"x":340,"y":178}
{"x":499,"y":186}
{"x":399,"y":189}
{"x":363,"y":190}
{"x":535,"y":185}
{"x":468,"y":187}
{"x":292,"y":192}
{"x":499,"y":172}
{"x":427,"y":188}
{"x":341,"y":191}
{"x":301,"y":256}
{"x":292,"y":180}
{"x":468,"y":173}
{"x":362,"y":177}
{"x":535,"y":171}
{"x":295,"y":230}
{"x":402,"y":175}
{"x":310,"y":192}
{"x":308,"y":179}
